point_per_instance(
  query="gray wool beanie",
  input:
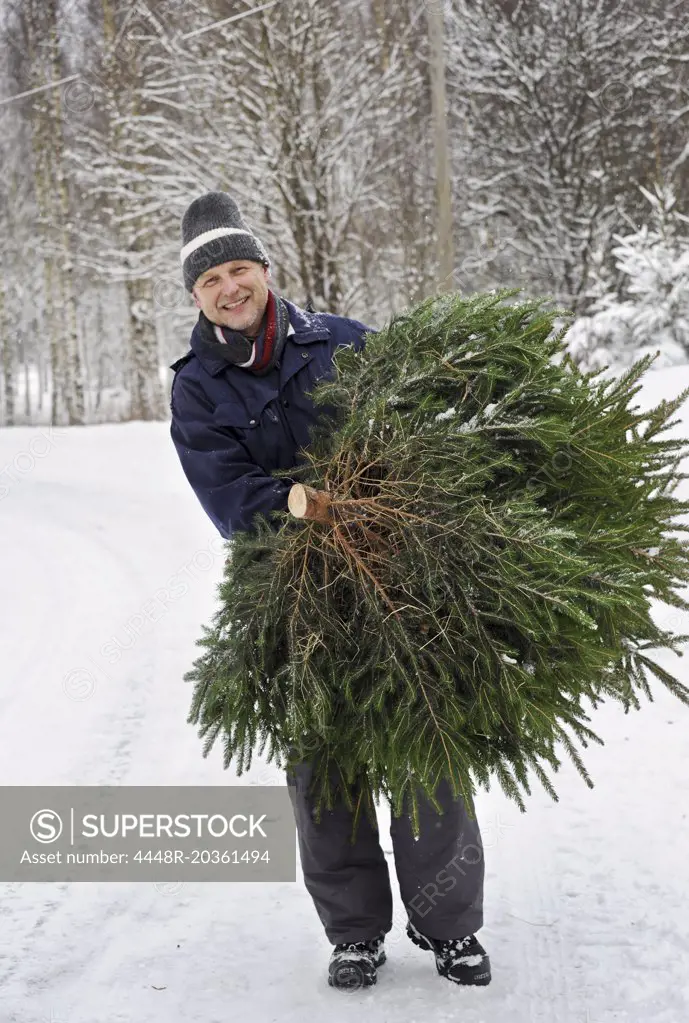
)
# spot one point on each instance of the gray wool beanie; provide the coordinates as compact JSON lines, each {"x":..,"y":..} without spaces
{"x":213,"y":232}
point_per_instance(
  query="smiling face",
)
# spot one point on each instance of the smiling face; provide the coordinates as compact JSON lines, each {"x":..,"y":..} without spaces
{"x":234,"y":294}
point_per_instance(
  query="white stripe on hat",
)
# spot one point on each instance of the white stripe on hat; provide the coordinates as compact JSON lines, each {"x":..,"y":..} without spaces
{"x":209,"y":236}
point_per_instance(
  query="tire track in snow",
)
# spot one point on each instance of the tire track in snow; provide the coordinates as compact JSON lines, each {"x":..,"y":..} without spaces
{"x":127,"y":689}
{"x":85,"y":563}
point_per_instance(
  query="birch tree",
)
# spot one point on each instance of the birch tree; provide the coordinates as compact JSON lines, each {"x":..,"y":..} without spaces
{"x":108,"y":166}
{"x":34,"y":29}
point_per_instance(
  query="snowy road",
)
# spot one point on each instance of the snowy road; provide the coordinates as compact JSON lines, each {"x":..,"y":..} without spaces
{"x":587,"y":904}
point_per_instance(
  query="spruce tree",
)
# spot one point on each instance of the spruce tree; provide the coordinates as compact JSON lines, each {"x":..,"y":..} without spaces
{"x":475,"y":537}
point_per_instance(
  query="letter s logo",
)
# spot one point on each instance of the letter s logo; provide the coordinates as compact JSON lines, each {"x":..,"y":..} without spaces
{"x":46,"y":826}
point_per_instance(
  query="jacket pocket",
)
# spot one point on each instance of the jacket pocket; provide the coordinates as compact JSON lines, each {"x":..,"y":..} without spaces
{"x":228,"y":413}
{"x":259,"y":431}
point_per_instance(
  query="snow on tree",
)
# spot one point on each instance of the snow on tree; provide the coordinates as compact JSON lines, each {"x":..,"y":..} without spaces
{"x":648,"y":311}
{"x":110,"y":166}
{"x":303,"y":143}
{"x":37,"y":61}
{"x":557,"y":110}
{"x":317,"y":118}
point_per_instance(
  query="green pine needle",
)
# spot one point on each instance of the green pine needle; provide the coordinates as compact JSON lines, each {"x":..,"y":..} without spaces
{"x":500,"y":525}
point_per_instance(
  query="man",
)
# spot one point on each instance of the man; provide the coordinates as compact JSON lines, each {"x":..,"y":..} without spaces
{"x":240,"y":411}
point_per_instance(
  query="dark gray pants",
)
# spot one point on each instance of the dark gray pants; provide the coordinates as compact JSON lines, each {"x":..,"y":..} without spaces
{"x":440,"y":875}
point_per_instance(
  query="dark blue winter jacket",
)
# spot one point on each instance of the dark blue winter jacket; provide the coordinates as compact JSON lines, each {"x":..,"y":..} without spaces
{"x":231,"y":428}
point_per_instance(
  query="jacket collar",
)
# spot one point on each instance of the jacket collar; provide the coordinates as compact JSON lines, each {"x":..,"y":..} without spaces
{"x":304,"y":327}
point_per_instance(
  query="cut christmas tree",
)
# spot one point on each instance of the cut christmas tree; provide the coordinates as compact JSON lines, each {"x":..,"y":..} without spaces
{"x":465,"y":572}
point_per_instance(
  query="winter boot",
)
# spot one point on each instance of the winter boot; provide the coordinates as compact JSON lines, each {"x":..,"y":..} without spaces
{"x":462,"y":960}
{"x":353,"y":964}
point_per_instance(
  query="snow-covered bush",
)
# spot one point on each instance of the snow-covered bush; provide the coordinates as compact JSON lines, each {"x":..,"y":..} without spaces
{"x":649,"y":310}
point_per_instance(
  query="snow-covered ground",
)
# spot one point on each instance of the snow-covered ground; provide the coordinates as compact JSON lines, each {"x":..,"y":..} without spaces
{"x":587,"y":913}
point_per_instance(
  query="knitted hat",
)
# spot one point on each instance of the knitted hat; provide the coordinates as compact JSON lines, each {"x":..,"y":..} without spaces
{"x":213,"y":232}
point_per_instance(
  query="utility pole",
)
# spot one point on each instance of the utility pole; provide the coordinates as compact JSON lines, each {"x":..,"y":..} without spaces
{"x":436,"y":38}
